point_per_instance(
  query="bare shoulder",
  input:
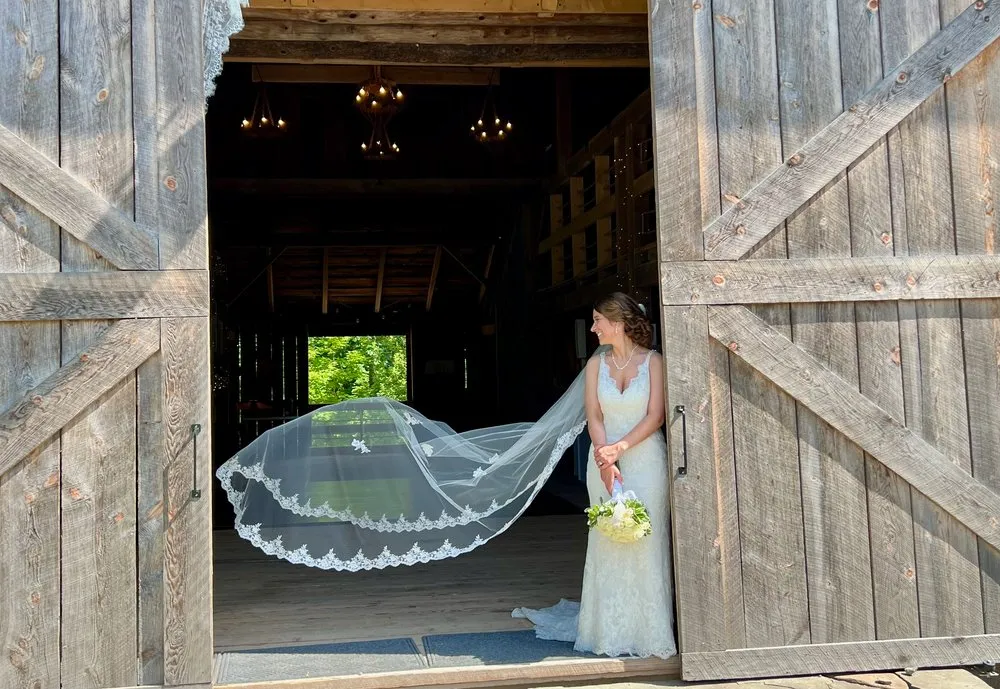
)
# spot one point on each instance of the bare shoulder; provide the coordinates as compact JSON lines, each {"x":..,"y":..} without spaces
{"x":655,"y":359}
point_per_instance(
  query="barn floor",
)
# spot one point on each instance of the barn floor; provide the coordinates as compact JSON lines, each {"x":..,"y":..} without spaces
{"x":264,"y":602}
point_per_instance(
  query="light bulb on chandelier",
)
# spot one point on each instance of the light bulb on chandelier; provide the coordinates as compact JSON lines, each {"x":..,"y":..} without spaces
{"x":261,"y":122}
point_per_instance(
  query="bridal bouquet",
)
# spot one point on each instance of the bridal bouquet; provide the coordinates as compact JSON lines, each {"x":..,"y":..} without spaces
{"x":623,"y":518}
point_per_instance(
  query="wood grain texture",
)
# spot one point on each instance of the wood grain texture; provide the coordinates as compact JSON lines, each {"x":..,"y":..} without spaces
{"x":847,"y":657}
{"x":705,"y":520}
{"x":833,"y":493}
{"x":477,"y":33}
{"x":456,"y":55}
{"x":183,"y":180}
{"x":874,"y":196}
{"x":99,"y":634}
{"x":826,"y":155}
{"x":377,"y":17}
{"x":840,"y":404}
{"x":29,"y":353}
{"x":110,"y":294}
{"x":324,"y":8}
{"x":770,"y":508}
{"x":832,"y":279}
{"x":53,"y":402}
{"x":149,"y":518}
{"x":73,"y":205}
{"x":973,"y":122}
{"x":948,"y":580}
{"x":187,"y":523}
{"x":890,"y":518}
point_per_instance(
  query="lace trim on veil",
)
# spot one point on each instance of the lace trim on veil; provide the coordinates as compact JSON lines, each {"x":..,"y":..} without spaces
{"x":220,"y":20}
{"x":275,"y":547}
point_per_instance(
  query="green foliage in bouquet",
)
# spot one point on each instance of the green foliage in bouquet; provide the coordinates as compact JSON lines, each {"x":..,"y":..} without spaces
{"x":623,"y":520}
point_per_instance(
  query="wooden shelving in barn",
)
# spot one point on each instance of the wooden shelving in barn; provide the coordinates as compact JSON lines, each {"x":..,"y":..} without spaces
{"x":601,"y":229}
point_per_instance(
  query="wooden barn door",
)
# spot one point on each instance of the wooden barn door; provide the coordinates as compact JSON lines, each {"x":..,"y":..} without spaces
{"x":105,"y":573}
{"x":831,"y":327}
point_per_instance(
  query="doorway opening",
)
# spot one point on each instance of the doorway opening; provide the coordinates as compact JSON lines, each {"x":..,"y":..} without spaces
{"x":457,"y":277}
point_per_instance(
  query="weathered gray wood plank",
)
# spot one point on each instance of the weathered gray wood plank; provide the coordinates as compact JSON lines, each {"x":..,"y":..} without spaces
{"x":98,"y":446}
{"x":829,"y":152}
{"x":149,"y":411}
{"x":76,"y":207}
{"x":111,"y":294}
{"x":846,"y":657}
{"x":834,"y":508}
{"x":183,"y":184}
{"x":187,"y":544}
{"x":948,"y":583}
{"x":877,"y":207}
{"x":708,"y":572}
{"x":770,"y":509}
{"x":29,"y":352}
{"x":52,"y":403}
{"x":840,"y":404}
{"x":974,"y":129}
{"x":831,"y":279}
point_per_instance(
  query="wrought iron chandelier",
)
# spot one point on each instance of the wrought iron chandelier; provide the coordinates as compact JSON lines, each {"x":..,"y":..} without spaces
{"x":262,"y":121}
{"x":379,"y":100}
{"x":491,"y":128}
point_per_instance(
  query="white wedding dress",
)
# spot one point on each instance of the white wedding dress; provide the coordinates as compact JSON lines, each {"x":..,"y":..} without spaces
{"x":626,"y":608}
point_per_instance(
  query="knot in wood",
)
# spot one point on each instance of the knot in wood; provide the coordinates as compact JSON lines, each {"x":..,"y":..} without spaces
{"x":696,"y":6}
{"x":734,"y":346}
{"x":980,"y":5}
{"x":75,"y":493}
{"x":102,"y":95}
{"x":873,"y":5}
{"x":719,"y":280}
{"x":740,"y":230}
{"x":36,"y":598}
{"x":84,"y":358}
{"x":886,"y":238}
{"x":911,"y":280}
{"x":170,"y":183}
{"x":796,"y":160}
{"x":878,"y":287}
{"x":29,"y":498}
{"x":37,"y":400}
{"x":902,"y":77}
{"x":946,"y":77}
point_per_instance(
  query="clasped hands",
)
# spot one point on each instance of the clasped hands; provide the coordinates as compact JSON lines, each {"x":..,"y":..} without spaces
{"x":606,"y":457}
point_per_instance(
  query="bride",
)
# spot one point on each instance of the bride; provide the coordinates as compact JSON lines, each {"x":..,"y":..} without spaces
{"x":372,"y":483}
{"x":627,"y":602}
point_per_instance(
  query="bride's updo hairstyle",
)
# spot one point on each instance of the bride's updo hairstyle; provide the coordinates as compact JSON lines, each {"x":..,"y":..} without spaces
{"x":621,"y":308}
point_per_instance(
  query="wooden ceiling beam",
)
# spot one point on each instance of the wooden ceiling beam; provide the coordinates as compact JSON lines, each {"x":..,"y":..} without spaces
{"x":477,"y":34}
{"x":326,"y":280}
{"x":375,"y":17}
{"x":353,"y":74}
{"x":471,"y":6}
{"x":346,"y":186}
{"x":354,"y":53}
{"x":381,"y":280}
{"x":434,"y":277}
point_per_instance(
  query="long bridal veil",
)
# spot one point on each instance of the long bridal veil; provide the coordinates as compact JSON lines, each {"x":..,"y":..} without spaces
{"x":369,"y":484}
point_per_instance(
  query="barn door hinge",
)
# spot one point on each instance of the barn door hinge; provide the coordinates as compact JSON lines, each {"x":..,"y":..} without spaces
{"x":195,"y":430}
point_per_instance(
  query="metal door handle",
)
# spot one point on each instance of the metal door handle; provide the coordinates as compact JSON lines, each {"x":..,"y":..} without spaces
{"x":683,"y":468}
{"x":195,"y":430}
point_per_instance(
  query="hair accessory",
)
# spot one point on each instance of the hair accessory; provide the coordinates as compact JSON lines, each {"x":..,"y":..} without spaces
{"x":643,"y":309}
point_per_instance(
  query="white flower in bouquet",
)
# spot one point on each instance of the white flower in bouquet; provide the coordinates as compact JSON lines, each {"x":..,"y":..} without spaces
{"x":623,"y":519}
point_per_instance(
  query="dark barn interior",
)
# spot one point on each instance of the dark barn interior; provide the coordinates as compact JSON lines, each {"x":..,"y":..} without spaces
{"x":451,"y":242}
{"x":486,"y":255}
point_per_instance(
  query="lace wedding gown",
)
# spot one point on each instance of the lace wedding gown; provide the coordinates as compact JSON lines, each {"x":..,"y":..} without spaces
{"x":627,"y":603}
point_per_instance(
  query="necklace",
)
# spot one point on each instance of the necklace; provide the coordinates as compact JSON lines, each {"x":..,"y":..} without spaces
{"x":627,"y":361}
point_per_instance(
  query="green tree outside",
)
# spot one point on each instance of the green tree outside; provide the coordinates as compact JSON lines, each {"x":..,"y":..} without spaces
{"x":343,"y":368}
